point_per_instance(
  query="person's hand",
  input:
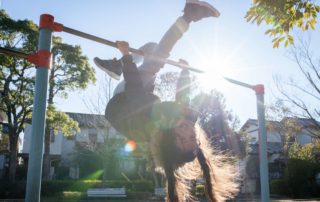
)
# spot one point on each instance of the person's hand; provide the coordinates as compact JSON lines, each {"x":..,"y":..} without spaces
{"x":123,"y":46}
{"x":183,"y":63}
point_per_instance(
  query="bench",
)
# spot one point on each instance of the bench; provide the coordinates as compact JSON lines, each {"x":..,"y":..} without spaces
{"x":106,"y":192}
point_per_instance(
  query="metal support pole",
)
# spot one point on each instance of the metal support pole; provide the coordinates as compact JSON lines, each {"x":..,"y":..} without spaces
{"x":263,"y":160}
{"x":38,"y":117}
{"x":264,"y":171}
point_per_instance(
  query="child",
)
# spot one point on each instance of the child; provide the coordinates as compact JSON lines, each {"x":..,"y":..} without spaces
{"x":176,"y":141}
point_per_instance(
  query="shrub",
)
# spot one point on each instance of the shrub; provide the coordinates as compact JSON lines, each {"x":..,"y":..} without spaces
{"x":12,"y":190}
{"x":279,"y":187}
{"x":300,"y":175}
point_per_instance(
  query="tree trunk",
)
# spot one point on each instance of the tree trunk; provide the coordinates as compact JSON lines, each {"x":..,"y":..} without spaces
{"x":13,"y":157}
{"x":46,"y":160}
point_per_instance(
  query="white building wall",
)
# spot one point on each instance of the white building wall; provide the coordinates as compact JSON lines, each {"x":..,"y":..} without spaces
{"x":26,"y":139}
{"x":55,"y":146}
{"x":62,"y":145}
{"x":273,"y":136}
{"x":253,"y":132}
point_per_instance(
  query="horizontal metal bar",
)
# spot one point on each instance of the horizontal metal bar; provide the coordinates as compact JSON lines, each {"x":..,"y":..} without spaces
{"x":132,"y":50}
{"x":240,"y":83}
{"x":12,"y":52}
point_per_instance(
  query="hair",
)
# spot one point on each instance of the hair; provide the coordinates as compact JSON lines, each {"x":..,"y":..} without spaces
{"x":217,"y":169}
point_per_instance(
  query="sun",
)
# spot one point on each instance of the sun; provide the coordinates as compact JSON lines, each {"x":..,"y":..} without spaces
{"x":216,"y":67}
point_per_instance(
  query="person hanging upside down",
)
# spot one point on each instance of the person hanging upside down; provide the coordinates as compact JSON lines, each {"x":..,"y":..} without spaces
{"x":177,"y":143}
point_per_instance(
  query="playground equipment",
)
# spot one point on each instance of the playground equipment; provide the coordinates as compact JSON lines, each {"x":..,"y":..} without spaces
{"x":264,"y":179}
{"x":42,"y":60}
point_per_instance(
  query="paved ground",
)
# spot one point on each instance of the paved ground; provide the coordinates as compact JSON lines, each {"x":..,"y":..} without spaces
{"x":248,"y":199}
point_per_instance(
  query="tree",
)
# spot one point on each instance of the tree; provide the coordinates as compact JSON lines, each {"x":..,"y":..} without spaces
{"x":70,"y":71}
{"x":216,"y":121}
{"x":300,"y":97}
{"x":284,"y":16}
{"x":16,"y":80}
{"x":96,"y":102}
{"x":283,"y":121}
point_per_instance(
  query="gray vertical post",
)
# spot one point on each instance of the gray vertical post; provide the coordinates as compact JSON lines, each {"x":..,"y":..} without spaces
{"x":38,"y":115}
{"x":264,"y":171}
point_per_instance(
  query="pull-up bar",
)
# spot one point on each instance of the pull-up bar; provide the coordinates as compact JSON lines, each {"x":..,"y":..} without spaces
{"x":132,"y":50}
{"x":13,"y":53}
{"x":41,"y":58}
{"x":60,"y":27}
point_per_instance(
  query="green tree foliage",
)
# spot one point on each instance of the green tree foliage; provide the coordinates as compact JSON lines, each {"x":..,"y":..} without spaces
{"x":70,"y":69}
{"x":284,"y":16}
{"x":305,"y":152}
{"x":58,"y":120}
{"x":16,"y":79}
{"x":301,"y":171}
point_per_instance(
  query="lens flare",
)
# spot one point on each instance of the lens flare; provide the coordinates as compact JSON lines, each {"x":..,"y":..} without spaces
{"x":130,"y":146}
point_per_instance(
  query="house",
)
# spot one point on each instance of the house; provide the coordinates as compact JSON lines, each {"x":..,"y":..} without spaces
{"x":250,"y":172}
{"x":303,"y":132}
{"x":94,"y":131}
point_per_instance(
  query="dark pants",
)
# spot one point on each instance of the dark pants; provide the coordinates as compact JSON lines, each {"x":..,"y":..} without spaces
{"x":129,"y":111}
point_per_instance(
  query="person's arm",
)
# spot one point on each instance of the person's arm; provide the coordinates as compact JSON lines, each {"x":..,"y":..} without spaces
{"x":131,"y":75}
{"x":183,"y":86}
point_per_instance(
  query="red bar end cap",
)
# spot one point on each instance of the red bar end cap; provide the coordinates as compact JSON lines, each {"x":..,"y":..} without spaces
{"x":46,"y":21}
{"x":259,"y":89}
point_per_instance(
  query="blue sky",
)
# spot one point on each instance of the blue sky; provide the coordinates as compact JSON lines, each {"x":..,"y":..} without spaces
{"x":227,"y":45}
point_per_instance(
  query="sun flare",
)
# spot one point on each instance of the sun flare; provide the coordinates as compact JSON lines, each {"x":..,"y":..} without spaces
{"x":216,"y":68}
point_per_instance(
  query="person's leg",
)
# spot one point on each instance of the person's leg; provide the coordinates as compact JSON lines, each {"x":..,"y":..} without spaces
{"x":194,"y":11}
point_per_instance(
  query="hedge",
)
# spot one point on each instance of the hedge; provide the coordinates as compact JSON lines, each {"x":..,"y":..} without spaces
{"x":279,"y":187}
{"x":55,"y":188}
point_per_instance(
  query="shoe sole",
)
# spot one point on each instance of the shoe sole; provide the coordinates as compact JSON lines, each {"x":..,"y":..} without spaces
{"x":110,"y":73}
{"x":216,"y":13}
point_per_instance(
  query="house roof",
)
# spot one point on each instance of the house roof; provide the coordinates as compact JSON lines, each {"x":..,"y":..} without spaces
{"x":254,"y":122}
{"x":248,"y":123}
{"x":302,"y":121}
{"x":89,"y":120}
